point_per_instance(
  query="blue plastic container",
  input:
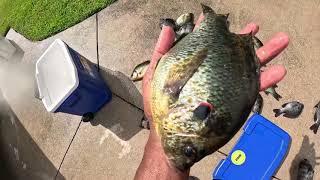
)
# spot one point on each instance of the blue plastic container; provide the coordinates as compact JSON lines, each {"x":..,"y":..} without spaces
{"x":258,"y":153}
{"x":68,"y":82}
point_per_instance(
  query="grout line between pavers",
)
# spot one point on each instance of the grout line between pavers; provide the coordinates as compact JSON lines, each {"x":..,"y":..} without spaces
{"x":97,"y":42}
{"x":98,"y":62}
{"x":65,"y":154}
{"x":127,"y":101}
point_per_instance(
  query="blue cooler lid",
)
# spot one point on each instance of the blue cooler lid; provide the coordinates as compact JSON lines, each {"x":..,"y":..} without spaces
{"x":258,"y":153}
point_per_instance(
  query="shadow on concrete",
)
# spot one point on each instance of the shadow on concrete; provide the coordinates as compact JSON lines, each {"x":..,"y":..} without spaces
{"x":307,"y":151}
{"x":193,"y":178}
{"x":122,"y":87}
{"x":20,"y":156}
{"x":124,"y":113}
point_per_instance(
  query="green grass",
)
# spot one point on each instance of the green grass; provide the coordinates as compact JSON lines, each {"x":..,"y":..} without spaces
{"x":39,"y":19}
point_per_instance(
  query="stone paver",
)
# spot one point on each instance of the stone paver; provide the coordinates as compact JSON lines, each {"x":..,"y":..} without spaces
{"x":300,"y":58}
{"x":111,"y":148}
{"x":20,"y":155}
{"x":122,"y":86}
{"x":81,"y":37}
{"x":204,"y":168}
{"x":50,"y":133}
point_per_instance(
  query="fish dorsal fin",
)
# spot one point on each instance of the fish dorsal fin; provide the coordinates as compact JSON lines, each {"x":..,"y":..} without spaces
{"x":207,"y":9}
{"x":182,"y":71}
{"x":284,"y":105}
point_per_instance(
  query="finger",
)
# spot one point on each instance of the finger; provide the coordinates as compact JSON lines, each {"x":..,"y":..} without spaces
{"x":251,"y":27}
{"x":273,"y":47}
{"x":165,"y":42}
{"x":163,"y":45}
{"x":272,"y":76}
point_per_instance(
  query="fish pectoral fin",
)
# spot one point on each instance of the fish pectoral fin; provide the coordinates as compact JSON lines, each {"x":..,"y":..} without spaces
{"x":139,"y":71}
{"x":182,"y":71}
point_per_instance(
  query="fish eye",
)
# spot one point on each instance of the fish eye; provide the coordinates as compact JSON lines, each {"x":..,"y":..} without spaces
{"x":189,"y":151}
{"x":203,"y":110}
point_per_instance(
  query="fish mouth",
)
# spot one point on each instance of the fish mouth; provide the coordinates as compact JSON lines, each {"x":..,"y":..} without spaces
{"x":183,"y":150}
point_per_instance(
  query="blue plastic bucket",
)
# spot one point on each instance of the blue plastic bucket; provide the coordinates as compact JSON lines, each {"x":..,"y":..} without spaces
{"x":68,"y":82}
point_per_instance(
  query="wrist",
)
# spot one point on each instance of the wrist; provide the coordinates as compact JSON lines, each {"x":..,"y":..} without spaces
{"x":155,"y":164}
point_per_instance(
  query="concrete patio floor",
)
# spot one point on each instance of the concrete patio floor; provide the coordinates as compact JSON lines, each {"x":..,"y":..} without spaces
{"x":123,"y":35}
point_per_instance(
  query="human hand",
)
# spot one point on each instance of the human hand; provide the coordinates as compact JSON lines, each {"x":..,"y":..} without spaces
{"x":154,"y":153}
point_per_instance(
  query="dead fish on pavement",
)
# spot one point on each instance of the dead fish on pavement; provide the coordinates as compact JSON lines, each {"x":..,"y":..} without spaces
{"x":145,"y":123}
{"x":305,"y":171}
{"x":273,"y":92}
{"x":290,"y":110}
{"x":168,"y":22}
{"x":184,"y":30}
{"x":258,"y":105}
{"x":316,"y":118}
{"x":139,"y":71}
{"x":185,"y":25}
{"x":196,"y":107}
{"x":184,"y":19}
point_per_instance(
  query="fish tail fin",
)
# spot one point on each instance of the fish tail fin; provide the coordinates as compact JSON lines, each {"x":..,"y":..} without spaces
{"x":278,"y":112}
{"x":315,"y":128}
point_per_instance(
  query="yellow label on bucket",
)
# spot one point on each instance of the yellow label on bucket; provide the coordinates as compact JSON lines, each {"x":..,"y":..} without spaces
{"x":238,"y":157}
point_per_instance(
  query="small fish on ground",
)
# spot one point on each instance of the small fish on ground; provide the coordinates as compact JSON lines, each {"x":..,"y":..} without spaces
{"x":168,"y":22}
{"x":145,"y":123}
{"x":139,"y":71}
{"x":273,"y":92}
{"x":290,"y":110}
{"x":258,"y":105}
{"x":184,"y":26}
{"x":305,"y":171}
{"x":184,"y":19}
{"x":316,"y":119}
{"x":184,"y":30}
